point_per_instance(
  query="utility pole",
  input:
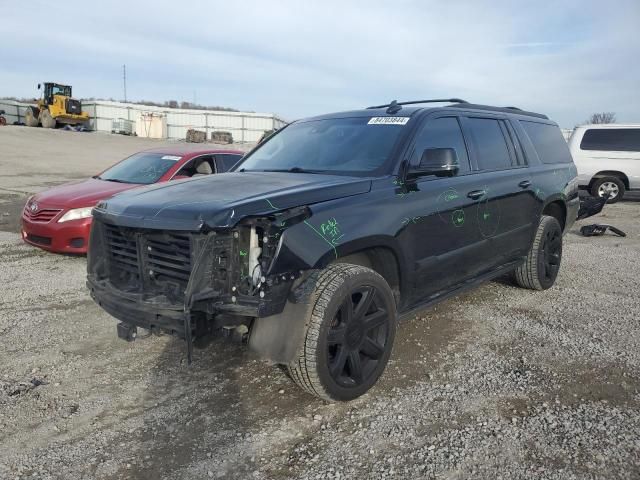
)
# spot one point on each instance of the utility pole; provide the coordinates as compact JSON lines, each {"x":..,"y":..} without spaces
{"x":124,"y":81}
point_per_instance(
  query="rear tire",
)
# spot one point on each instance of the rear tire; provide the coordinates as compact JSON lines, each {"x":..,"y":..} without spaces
{"x":611,"y":185}
{"x":47,"y":120}
{"x":542,"y":265}
{"x":349,"y":335}
{"x":31,"y":117}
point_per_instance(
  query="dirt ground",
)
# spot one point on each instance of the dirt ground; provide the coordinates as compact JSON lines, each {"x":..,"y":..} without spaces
{"x":499,"y":383}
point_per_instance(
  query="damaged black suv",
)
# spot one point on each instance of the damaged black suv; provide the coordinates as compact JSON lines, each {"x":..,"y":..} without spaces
{"x":327,"y":232}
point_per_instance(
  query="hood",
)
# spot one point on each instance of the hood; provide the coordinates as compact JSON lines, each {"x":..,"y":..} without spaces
{"x":85,"y":193}
{"x":220,"y":201}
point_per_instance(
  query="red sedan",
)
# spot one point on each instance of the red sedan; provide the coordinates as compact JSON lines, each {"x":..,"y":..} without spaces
{"x":59,"y":219}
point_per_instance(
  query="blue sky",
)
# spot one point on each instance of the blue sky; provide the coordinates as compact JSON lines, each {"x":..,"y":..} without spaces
{"x":567,"y":59}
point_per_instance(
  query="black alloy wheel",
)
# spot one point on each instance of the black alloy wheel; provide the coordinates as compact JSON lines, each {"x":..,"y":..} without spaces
{"x":357,"y":337}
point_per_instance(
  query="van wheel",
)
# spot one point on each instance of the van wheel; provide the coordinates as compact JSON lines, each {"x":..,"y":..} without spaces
{"x":540,"y":269}
{"x":349,"y":335}
{"x":609,"y":185}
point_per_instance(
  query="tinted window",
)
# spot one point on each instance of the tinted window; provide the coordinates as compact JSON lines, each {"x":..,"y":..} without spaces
{"x":612,"y":139}
{"x":349,"y":146}
{"x":491,"y":147}
{"x":142,"y":168}
{"x":442,"y":133}
{"x":548,"y":142}
{"x":226,"y":160}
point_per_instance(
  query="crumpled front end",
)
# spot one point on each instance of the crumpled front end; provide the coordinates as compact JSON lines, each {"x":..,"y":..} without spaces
{"x":189,"y":284}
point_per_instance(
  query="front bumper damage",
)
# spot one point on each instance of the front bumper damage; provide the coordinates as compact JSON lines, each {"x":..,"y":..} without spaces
{"x":189,"y":284}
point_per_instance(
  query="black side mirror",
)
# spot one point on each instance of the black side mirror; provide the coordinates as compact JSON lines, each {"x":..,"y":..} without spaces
{"x":442,"y":162}
{"x":38,"y":86}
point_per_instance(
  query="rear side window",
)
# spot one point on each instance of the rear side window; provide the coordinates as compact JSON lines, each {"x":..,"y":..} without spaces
{"x":226,"y":160}
{"x":491,"y":146}
{"x":442,"y":133}
{"x":548,"y":142}
{"x":611,"y":139}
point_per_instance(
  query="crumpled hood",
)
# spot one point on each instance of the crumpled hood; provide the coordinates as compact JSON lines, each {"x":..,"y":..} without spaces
{"x":220,"y":201}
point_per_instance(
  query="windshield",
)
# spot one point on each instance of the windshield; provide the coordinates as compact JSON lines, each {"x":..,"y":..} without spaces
{"x":359,"y":145}
{"x":144,"y":168}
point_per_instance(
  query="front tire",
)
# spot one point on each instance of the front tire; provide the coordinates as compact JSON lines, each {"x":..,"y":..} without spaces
{"x":542,"y":265}
{"x":47,"y":120}
{"x":609,"y":185}
{"x":31,"y":117}
{"x":349,"y":335}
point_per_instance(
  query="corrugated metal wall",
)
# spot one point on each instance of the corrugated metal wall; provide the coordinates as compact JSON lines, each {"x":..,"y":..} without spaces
{"x":244,"y":126}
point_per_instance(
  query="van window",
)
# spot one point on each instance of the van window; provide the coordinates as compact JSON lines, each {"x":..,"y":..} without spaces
{"x":548,"y":142}
{"x":491,"y":146}
{"x":611,"y":139}
{"x":442,"y":133}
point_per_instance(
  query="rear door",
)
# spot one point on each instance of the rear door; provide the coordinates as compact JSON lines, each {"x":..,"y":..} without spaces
{"x":506,"y":209}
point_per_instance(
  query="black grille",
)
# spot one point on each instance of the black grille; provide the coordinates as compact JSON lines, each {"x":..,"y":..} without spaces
{"x":124,"y":266}
{"x":74,"y":106}
{"x":169,"y":258}
{"x":157,"y":263}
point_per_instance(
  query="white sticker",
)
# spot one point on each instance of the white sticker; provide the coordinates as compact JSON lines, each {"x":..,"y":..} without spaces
{"x":171,"y":157}
{"x":388,"y":120}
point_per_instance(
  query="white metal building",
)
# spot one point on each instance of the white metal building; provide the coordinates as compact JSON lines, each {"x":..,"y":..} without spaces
{"x":244,"y":126}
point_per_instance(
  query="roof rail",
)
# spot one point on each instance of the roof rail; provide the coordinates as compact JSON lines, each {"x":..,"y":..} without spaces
{"x":394,"y":104}
{"x":512,"y":110}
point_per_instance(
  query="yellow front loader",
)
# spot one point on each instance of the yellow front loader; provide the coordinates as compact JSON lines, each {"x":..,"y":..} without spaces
{"x":55,"y":107}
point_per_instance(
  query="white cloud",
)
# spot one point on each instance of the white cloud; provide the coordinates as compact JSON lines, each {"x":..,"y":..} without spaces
{"x":566,"y":59}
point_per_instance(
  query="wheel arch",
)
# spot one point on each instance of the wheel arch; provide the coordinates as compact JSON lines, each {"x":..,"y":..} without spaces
{"x":558,"y":209}
{"x":609,"y":173}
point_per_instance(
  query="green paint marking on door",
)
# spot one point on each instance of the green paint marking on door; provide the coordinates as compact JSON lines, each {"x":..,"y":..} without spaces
{"x":457,"y":217}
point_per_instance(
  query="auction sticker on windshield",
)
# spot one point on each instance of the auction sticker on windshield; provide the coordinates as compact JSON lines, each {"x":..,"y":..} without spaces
{"x":171,"y":157}
{"x":388,"y":120}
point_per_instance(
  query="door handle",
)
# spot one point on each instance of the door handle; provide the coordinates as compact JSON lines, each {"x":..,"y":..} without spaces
{"x":524,"y":184}
{"x":476,"y":194}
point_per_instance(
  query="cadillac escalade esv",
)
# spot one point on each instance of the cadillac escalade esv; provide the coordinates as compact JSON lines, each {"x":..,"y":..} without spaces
{"x":314,"y":245}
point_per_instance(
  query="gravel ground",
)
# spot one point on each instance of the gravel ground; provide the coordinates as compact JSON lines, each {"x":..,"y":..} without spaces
{"x":499,"y":383}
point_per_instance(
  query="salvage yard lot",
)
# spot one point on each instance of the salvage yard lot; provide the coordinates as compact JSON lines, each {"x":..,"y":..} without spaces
{"x":501,"y":381}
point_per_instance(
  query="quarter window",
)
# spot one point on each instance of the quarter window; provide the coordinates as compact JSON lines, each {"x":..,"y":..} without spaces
{"x":548,"y":142}
{"x":611,"y":139}
{"x":442,"y":132}
{"x":490,"y":144}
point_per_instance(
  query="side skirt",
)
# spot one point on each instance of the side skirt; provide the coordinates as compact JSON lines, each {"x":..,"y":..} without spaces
{"x":458,"y":289}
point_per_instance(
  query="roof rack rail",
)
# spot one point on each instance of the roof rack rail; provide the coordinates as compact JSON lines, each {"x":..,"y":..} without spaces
{"x":395,"y":104}
{"x":488,"y":108}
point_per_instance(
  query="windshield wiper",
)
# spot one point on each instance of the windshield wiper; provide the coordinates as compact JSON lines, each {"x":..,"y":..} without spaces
{"x":294,"y":170}
{"x":114,"y":180}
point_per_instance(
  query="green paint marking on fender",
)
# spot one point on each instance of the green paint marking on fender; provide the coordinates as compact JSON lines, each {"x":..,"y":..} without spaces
{"x":486,"y":215}
{"x":322,"y":237}
{"x":243,"y":253}
{"x":271,"y":204}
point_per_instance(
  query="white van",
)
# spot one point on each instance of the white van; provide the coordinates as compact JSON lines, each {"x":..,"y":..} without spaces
{"x":608,"y":158}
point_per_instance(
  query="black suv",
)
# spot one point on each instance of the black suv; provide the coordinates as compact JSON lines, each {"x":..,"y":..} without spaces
{"x":323,"y":235}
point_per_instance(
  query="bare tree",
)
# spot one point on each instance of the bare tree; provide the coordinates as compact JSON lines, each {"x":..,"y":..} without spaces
{"x":602,"y":117}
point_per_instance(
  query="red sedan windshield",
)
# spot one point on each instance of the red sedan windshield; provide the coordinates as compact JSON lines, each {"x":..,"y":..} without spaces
{"x":143,"y":168}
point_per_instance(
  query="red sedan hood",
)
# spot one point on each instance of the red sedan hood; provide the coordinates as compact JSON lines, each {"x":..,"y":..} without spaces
{"x":85,"y":193}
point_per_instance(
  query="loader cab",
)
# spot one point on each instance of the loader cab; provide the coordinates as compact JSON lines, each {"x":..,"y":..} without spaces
{"x":51,"y":89}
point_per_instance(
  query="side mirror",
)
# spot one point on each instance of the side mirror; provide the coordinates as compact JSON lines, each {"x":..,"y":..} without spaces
{"x":442,"y":162}
{"x":38,"y":86}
